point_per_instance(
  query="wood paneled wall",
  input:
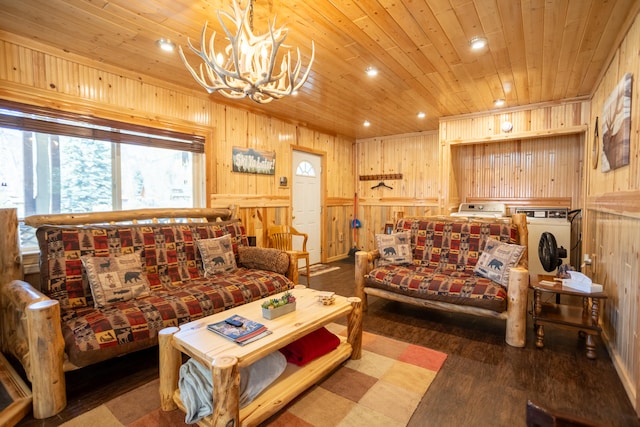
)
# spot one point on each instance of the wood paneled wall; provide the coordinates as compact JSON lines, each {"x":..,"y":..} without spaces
{"x":33,"y":73}
{"x":539,"y":162}
{"x":612,"y":219}
{"x":415,"y":156}
{"x":530,"y":172}
{"x":533,"y":121}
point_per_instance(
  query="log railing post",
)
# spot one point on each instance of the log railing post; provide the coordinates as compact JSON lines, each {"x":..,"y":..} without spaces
{"x":10,"y":259}
{"x":10,"y":263}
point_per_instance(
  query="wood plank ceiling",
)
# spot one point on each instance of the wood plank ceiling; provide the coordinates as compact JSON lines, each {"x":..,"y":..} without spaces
{"x":538,"y":51}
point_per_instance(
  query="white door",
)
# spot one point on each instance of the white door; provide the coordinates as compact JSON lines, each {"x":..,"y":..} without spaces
{"x":307,"y":172}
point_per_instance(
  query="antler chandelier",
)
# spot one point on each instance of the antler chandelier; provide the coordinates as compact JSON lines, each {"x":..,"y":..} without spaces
{"x":247,"y":66}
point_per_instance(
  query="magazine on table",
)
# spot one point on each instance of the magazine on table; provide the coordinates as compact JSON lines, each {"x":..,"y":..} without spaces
{"x":239,"y":329}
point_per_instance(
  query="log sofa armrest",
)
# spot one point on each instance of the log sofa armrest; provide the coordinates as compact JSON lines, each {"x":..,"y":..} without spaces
{"x":31,"y":331}
{"x":292,"y":272}
{"x":16,"y":297}
{"x":364,"y":264}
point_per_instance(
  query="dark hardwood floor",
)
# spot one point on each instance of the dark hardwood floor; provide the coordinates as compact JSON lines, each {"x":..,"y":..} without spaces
{"x":483,"y":382}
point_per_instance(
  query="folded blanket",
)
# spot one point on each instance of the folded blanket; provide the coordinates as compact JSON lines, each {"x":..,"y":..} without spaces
{"x":196,"y":384}
{"x":310,"y":347}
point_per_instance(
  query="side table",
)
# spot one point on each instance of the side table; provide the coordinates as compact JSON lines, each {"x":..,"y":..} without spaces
{"x":585,"y":319}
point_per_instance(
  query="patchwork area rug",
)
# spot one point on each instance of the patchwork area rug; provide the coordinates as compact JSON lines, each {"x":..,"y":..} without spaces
{"x":381,"y":389}
{"x":317,"y":269}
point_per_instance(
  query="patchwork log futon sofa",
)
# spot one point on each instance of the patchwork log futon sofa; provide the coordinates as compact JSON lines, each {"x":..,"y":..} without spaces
{"x":108,"y":289}
{"x":469,"y":265}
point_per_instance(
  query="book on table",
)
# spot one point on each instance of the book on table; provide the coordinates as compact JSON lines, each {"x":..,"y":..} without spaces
{"x":239,"y":329}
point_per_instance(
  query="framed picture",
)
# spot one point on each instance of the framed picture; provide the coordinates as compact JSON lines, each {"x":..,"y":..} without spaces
{"x":616,"y":126}
{"x":388,"y":228}
{"x":249,"y":160}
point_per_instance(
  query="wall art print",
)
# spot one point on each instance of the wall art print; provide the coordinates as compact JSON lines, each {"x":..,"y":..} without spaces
{"x":616,"y":126}
{"x":249,"y":160}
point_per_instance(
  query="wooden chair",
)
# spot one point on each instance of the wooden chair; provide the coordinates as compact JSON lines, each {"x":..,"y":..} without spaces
{"x":281,"y":237}
{"x":538,"y":416}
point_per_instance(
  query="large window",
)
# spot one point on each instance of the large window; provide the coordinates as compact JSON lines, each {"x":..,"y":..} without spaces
{"x":55,"y":163}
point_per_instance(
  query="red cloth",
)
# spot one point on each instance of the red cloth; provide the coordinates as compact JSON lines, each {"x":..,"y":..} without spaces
{"x":310,"y":347}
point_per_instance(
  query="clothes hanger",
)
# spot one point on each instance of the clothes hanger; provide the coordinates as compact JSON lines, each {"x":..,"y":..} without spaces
{"x":381,"y":184}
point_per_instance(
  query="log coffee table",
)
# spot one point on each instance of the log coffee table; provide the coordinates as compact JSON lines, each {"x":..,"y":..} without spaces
{"x":226,"y":357}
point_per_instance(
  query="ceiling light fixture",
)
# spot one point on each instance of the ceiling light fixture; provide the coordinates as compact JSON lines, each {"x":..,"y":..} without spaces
{"x":366,"y":123}
{"x":477,"y":43}
{"x":166,"y":45}
{"x":498,"y":102}
{"x":248,"y":69}
{"x":421,"y":115}
{"x":371,"y":71}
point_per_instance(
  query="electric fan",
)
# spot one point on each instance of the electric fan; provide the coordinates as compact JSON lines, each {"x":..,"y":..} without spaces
{"x":549,"y":253}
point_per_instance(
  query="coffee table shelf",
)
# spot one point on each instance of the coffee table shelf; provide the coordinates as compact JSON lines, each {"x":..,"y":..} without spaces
{"x":226,"y":357}
{"x":290,"y":384}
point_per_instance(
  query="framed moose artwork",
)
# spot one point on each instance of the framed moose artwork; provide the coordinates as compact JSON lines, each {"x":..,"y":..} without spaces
{"x":616,"y":126}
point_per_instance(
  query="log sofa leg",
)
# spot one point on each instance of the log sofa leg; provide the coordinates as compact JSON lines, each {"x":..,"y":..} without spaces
{"x":354,"y":331}
{"x":517,"y":307}
{"x":170,"y":361}
{"x":46,"y":358}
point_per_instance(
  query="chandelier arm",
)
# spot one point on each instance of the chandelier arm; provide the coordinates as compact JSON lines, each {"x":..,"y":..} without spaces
{"x":231,"y":94}
{"x":205,"y":58}
{"x":209,"y":62}
{"x":268,"y":77}
{"x":233,"y":41}
{"x":195,"y":75}
{"x":294,"y":76}
{"x":305,"y":76}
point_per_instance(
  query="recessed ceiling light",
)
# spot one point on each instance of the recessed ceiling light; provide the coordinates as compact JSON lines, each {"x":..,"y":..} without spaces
{"x":366,"y":123}
{"x":166,"y":45}
{"x":498,"y":102}
{"x":371,"y":71}
{"x":477,"y":43}
{"x":421,"y":115}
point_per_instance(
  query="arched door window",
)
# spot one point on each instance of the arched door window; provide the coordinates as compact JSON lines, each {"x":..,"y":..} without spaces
{"x":305,"y":169}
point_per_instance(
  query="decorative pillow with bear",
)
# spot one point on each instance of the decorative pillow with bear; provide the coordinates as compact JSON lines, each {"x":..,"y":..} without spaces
{"x":496,"y":260}
{"x":394,"y":248}
{"x":217,"y":255}
{"x":263,"y":259}
{"x":115,"y":278}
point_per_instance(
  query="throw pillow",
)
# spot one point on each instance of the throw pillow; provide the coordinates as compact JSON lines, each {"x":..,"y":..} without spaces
{"x":115,"y":278}
{"x":496,"y":260}
{"x":264,"y":259}
{"x":217,"y":255}
{"x":394,"y":248}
